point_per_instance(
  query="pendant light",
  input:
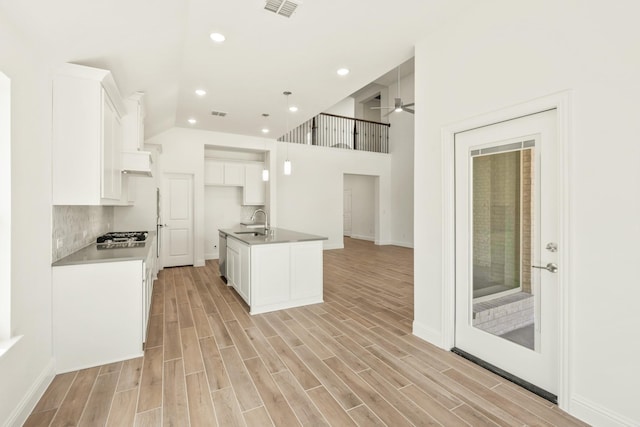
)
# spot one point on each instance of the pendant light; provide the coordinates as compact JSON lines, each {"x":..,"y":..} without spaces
{"x":287,"y":162}
{"x":265,"y":130}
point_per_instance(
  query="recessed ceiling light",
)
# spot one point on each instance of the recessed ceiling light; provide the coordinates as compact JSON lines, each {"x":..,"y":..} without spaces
{"x":217,"y":37}
{"x":201,"y":92}
{"x":293,"y":108}
{"x":192,"y":121}
{"x":342,"y":71}
{"x":265,"y":130}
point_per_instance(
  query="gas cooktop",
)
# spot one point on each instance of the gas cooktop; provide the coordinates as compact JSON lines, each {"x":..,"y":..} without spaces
{"x":122,"y":239}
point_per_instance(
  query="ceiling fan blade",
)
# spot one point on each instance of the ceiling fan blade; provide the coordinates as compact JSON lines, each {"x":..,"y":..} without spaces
{"x":408,"y":110}
{"x":409,"y":105}
{"x":392,"y":111}
{"x":381,"y":108}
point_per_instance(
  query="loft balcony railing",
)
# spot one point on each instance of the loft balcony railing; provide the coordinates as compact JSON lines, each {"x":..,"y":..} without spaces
{"x":330,"y":130}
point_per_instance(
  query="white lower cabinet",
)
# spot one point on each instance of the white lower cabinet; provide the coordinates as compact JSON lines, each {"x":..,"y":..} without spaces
{"x":286,"y":275}
{"x":101,"y":311}
{"x":275,"y":276}
{"x":238,"y":262}
{"x":271,"y":275}
{"x":254,"y":186}
{"x":149,"y":274}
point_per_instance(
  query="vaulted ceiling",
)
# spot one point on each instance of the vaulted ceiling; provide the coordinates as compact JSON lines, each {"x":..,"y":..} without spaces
{"x":163,"y":48}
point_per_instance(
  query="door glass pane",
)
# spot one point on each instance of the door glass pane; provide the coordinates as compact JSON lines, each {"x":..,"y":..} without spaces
{"x":502,"y":210}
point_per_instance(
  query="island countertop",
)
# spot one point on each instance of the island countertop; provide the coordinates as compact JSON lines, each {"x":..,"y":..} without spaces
{"x":258,"y":236}
{"x":91,"y":254}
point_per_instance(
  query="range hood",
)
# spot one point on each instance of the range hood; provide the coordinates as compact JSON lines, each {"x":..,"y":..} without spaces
{"x":136,"y":163}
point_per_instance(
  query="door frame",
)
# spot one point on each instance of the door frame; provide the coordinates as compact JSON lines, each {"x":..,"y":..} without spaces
{"x":561,"y":103}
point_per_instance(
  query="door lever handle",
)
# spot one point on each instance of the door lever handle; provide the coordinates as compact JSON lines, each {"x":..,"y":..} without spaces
{"x":551,"y":267}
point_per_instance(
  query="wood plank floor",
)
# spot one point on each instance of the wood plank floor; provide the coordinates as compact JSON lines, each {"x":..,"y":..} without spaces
{"x":349,"y":361}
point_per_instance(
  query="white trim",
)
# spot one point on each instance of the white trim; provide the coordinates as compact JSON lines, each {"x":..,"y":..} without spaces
{"x":383,"y":242}
{"x":401,"y":244}
{"x":5,"y":345}
{"x":22,"y":411}
{"x":433,"y":336}
{"x":5,"y":208}
{"x":561,"y":103}
{"x":597,"y":415}
{"x":361,"y":237}
{"x":329,"y":246}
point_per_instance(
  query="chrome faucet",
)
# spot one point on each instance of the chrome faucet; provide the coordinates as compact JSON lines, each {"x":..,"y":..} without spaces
{"x":266,"y":218}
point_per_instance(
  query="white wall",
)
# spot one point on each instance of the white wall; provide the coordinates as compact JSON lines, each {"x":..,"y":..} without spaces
{"x":310,"y":200}
{"x":401,"y":145}
{"x":27,"y":368}
{"x":345,"y":108}
{"x":507,"y":53}
{"x":363,"y":205}
{"x":367,"y":94}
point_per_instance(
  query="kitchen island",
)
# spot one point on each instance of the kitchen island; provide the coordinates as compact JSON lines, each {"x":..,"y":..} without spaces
{"x":274,"y":269}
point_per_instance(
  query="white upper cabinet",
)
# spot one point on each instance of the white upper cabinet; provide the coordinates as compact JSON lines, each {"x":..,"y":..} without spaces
{"x":234,"y":174}
{"x":133,"y":123}
{"x":111,"y":149}
{"x":135,"y":161}
{"x":213,"y":172}
{"x":87,"y":137}
{"x":217,"y":172}
{"x":254,"y":186}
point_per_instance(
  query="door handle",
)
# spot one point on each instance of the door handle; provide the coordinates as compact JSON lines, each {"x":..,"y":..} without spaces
{"x":551,"y":267}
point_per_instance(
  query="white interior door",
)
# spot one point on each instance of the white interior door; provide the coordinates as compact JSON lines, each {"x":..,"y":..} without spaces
{"x":177,"y":212}
{"x":507,"y":223}
{"x":346,"y":213}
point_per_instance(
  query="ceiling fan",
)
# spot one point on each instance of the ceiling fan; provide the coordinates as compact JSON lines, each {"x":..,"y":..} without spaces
{"x":398,"y":104}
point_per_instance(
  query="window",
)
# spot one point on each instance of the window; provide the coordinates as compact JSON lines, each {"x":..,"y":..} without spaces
{"x":5,"y":211}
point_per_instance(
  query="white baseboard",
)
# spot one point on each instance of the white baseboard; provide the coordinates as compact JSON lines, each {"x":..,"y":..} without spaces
{"x":402,"y":244}
{"x":383,"y":242}
{"x":361,"y":237}
{"x":328,"y":246}
{"x":199,"y":263}
{"x":430,"y":335}
{"x":31,"y":398}
{"x":212,"y":255}
{"x":597,"y":415}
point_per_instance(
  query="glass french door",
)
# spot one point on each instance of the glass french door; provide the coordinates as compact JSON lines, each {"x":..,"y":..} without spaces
{"x":506,"y":255}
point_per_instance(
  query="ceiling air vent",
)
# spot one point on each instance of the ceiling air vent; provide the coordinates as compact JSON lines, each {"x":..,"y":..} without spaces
{"x":218,"y":113}
{"x":282,"y":7}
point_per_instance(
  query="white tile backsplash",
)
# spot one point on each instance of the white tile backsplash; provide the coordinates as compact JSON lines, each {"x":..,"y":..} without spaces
{"x":70,"y":223}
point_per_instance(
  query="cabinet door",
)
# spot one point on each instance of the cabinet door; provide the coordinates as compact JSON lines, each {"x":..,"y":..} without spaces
{"x":116,"y":166}
{"x":244,"y":285}
{"x":234,"y":174}
{"x":108,"y":114}
{"x":306,"y":270}
{"x":233,"y":267}
{"x":111,"y":148}
{"x":213,"y":172}
{"x":254,"y":186}
{"x":270,"y":274}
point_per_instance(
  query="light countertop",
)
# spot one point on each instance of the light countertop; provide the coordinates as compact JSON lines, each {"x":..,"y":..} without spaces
{"x":91,"y":254}
{"x":272,"y":236}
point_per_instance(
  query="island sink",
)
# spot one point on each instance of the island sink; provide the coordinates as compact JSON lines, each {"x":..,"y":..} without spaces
{"x":251,"y":233}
